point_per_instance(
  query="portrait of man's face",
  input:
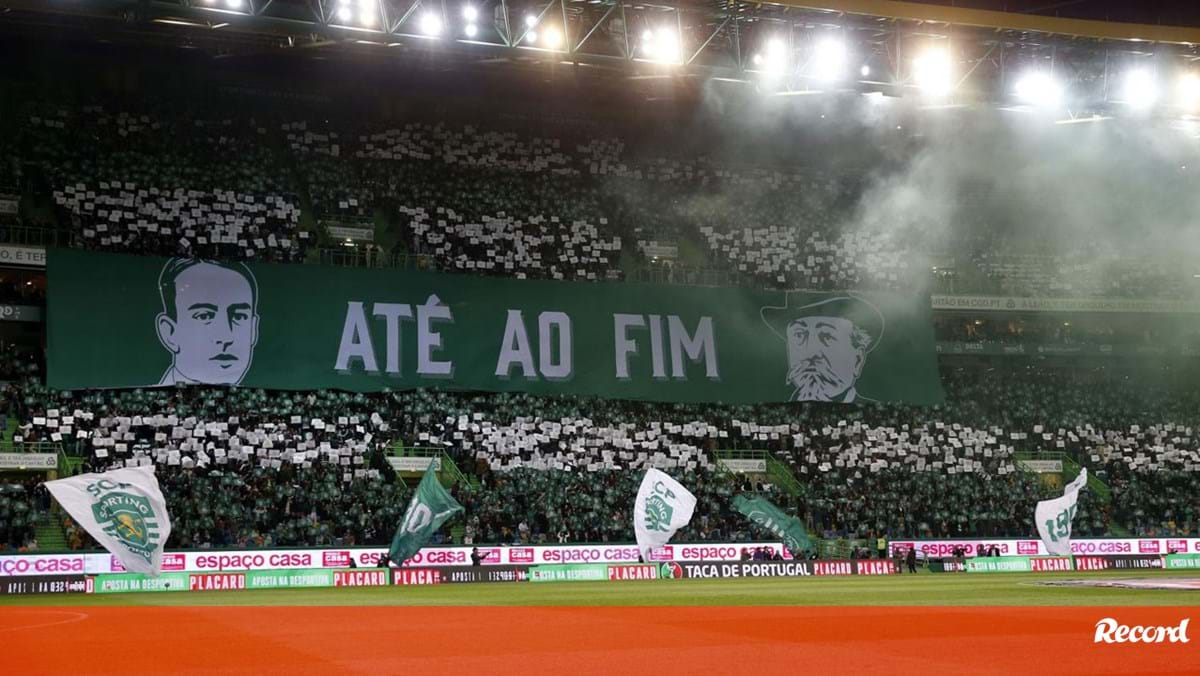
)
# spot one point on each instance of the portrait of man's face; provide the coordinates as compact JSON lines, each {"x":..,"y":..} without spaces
{"x":209,"y":322}
{"x":825,"y":357}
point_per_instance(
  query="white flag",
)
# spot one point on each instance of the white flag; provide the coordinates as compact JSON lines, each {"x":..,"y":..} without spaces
{"x":123,"y":509}
{"x":1053,"y":517}
{"x":663,"y":506}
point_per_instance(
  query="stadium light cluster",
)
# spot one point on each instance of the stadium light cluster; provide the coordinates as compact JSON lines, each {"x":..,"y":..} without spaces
{"x":538,"y":34}
{"x":431,"y":24}
{"x":1039,"y":88}
{"x":1146,"y":85}
{"x":932,"y":72}
{"x":531,"y":34}
{"x":1139,"y":89}
{"x":1189,"y":91}
{"x":773,"y":58}
{"x":360,"y":13}
{"x":470,"y":16}
{"x":830,"y":57}
{"x":1142,"y":89}
{"x":661,"y":45}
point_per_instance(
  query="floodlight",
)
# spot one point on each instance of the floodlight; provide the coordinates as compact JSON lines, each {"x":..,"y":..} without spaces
{"x":470,"y":13}
{"x":1139,"y":89}
{"x":774,"y":57}
{"x":552,"y":38}
{"x":343,"y":14}
{"x":530,"y":21}
{"x":1189,"y":90}
{"x":431,"y":24}
{"x":661,"y":45}
{"x":828,"y":60}
{"x":1039,"y":89}
{"x":470,"y":30}
{"x":932,"y":72}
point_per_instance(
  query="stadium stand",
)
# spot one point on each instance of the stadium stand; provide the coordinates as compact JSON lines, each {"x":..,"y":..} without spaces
{"x":246,"y":467}
{"x":135,"y":182}
{"x":337,"y":189}
{"x":21,"y":507}
{"x":482,"y":198}
{"x":1085,"y":272}
{"x":900,"y":470}
{"x":127,"y":218}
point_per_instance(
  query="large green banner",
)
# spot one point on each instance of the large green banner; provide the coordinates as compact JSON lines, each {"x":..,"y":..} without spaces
{"x":135,"y":321}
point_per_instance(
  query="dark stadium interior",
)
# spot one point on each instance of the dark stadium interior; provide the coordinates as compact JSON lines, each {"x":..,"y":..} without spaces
{"x":451,"y":162}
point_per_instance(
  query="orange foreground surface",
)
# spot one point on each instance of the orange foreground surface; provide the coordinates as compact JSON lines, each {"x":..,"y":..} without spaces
{"x":615,"y":641}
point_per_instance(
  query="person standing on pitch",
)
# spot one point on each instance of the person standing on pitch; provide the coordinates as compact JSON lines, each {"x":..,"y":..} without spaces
{"x":881,"y":547}
{"x":911,"y":558}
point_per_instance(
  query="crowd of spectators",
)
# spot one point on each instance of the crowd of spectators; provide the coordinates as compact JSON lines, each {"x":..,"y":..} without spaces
{"x":22,"y":503}
{"x":521,"y":246}
{"x":244,"y":466}
{"x":162,"y":177}
{"x":338,"y":191}
{"x":1093,"y":269}
{"x":124,"y":217}
{"x":549,"y":506}
{"x":1054,"y":329}
{"x":166,"y":182}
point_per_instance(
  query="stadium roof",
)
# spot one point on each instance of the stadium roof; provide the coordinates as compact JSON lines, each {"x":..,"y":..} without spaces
{"x":775,"y":46}
{"x":1087,"y":19}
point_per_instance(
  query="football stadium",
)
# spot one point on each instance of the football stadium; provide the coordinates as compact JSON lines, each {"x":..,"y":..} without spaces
{"x":596,"y":336}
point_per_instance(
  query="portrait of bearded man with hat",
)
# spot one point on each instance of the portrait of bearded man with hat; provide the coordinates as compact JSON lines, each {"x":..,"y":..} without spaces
{"x":828,"y":342}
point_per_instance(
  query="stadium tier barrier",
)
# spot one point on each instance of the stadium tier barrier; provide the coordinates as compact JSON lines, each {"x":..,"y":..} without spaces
{"x":937,"y":549}
{"x":1054,"y":564}
{"x":1046,"y":564}
{"x":208,"y":560}
{"x":97,"y":563}
{"x":309,"y":578}
{"x":240,"y":580}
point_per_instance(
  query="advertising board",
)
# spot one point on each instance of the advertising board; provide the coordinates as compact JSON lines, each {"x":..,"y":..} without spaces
{"x":205,"y":561}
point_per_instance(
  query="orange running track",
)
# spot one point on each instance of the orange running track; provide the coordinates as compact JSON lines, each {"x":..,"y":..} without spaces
{"x":615,"y":641}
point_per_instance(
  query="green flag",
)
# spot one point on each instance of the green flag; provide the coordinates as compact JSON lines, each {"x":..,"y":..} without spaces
{"x":430,"y":507}
{"x":787,"y":528}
